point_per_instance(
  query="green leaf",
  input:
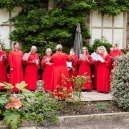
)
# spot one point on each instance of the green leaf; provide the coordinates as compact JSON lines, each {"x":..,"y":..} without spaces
{"x":11,"y":118}
{"x":21,"y":85}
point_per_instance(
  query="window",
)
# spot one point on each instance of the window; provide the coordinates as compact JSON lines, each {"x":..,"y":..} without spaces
{"x":113,"y":28}
{"x":6,"y":28}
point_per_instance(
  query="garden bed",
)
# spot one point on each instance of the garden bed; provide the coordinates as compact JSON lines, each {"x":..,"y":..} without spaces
{"x":86,"y":108}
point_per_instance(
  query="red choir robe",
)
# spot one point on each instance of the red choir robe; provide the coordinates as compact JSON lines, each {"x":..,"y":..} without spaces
{"x":47,"y":76}
{"x":95,"y":74}
{"x":31,"y":72}
{"x":3,"y":73}
{"x":103,"y":74}
{"x":60,"y":68}
{"x":85,"y":67}
{"x":15,"y":62}
{"x":114,"y":54}
{"x":74,"y":60}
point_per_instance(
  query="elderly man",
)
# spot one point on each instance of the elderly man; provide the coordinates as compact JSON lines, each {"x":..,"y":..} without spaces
{"x":15,"y":62}
{"x":3,"y":73}
{"x":60,"y":68}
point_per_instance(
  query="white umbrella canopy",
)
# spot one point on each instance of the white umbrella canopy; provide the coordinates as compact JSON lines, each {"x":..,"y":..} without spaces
{"x":78,"y":42}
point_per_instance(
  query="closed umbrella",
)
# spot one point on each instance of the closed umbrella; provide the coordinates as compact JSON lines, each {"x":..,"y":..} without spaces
{"x":78,"y":43}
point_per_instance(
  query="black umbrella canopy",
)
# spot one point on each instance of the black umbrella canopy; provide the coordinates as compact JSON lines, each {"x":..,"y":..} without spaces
{"x":78,"y":42}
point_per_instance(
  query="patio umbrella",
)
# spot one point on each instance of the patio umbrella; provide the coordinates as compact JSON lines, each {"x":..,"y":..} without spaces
{"x":78,"y":43}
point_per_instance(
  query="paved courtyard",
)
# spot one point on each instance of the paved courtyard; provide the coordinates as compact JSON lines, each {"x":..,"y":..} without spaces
{"x":95,"y":96}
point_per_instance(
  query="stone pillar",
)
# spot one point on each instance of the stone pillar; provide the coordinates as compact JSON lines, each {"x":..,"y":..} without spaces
{"x":50,"y":4}
{"x":127,"y":29}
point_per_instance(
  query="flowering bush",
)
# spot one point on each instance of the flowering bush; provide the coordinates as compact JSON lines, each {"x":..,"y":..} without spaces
{"x":62,"y":92}
{"x":27,"y":105}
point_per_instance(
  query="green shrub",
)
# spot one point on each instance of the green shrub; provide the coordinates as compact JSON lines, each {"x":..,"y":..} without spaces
{"x":26,"y":105}
{"x":101,"y":106}
{"x":101,"y":42}
{"x":120,"y":82}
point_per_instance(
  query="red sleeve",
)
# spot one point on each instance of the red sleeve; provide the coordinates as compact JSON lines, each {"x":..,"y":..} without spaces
{"x":107,"y":60}
{"x":90,"y":60}
{"x":76,"y":59}
{"x":52,"y":59}
{"x":69,"y":57}
{"x":10,"y":59}
{"x":120,"y":53}
{"x":43,"y":61}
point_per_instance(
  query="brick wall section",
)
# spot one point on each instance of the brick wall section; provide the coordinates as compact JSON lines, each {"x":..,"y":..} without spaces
{"x":127,"y":29}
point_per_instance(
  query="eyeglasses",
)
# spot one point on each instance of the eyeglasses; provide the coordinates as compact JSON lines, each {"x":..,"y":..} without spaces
{"x":83,"y":49}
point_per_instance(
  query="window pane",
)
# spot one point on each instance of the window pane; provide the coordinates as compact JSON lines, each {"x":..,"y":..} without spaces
{"x":118,"y":20}
{"x":107,"y":21}
{"x":96,"y":33}
{"x":4,"y":32}
{"x":108,"y":34}
{"x":118,"y":34}
{"x":97,"y":19}
{"x":4,"y":15}
{"x":15,"y":11}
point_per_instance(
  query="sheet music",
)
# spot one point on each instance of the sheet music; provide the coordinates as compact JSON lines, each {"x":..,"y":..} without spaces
{"x":101,"y":59}
{"x":25,"y":56}
{"x":113,"y":58}
{"x":69,"y":64}
{"x":1,"y":57}
{"x":47,"y":60}
{"x":83,"y":57}
{"x":94,"y":56}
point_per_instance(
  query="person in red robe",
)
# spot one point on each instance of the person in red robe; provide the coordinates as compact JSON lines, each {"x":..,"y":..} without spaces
{"x":3,"y":73}
{"x":95,"y":69}
{"x":114,"y":53}
{"x":15,"y":62}
{"x":73,"y":58}
{"x":60,"y":68}
{"x":103,"y":71}
{"x":48,"y":71}
{"x":31,"y":72}
{"x":85,"y":62}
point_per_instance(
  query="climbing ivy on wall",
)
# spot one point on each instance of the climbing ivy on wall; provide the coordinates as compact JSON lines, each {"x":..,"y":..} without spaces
{"x":36,"y":25}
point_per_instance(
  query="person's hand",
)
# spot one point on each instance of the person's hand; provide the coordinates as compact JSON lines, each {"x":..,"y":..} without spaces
{"x":34,"y":61}
{"x":11,"y":69}
{"x":4,"y":56}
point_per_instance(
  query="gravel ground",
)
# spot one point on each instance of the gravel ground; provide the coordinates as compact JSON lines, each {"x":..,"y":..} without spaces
{"x":116,"y":123}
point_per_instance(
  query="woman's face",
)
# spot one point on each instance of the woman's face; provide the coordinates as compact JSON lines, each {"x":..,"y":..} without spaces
{"x":71,"y":51}
{"x":16,"y":46}
{"x":33,"y":50}
{"x":101,"y":50}
{"x":114,"y":47}
{"x":84,"y":50}
{"x":48,"y":53}
{"x":98,"y":50}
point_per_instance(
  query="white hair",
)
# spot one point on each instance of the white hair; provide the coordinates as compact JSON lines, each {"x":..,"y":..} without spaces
{"x":59,"y":47}
{"x":34,"y":47}
{"x":48,"y":50}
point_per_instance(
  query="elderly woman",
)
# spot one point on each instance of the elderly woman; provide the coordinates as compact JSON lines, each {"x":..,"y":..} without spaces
{"x":85,"y":62}
{"x":31,"y":72}
{"x":115,"y":52}
{"x":73,"y":58}
{"x":48,"y":70}
{"x":15,"y":62}
{"x":60,"y":68}
{"x":103,"y":71}
{"x":3,"y":73}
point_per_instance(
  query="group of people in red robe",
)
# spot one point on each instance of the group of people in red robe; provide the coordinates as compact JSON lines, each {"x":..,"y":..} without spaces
{"x":56,"y":65}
